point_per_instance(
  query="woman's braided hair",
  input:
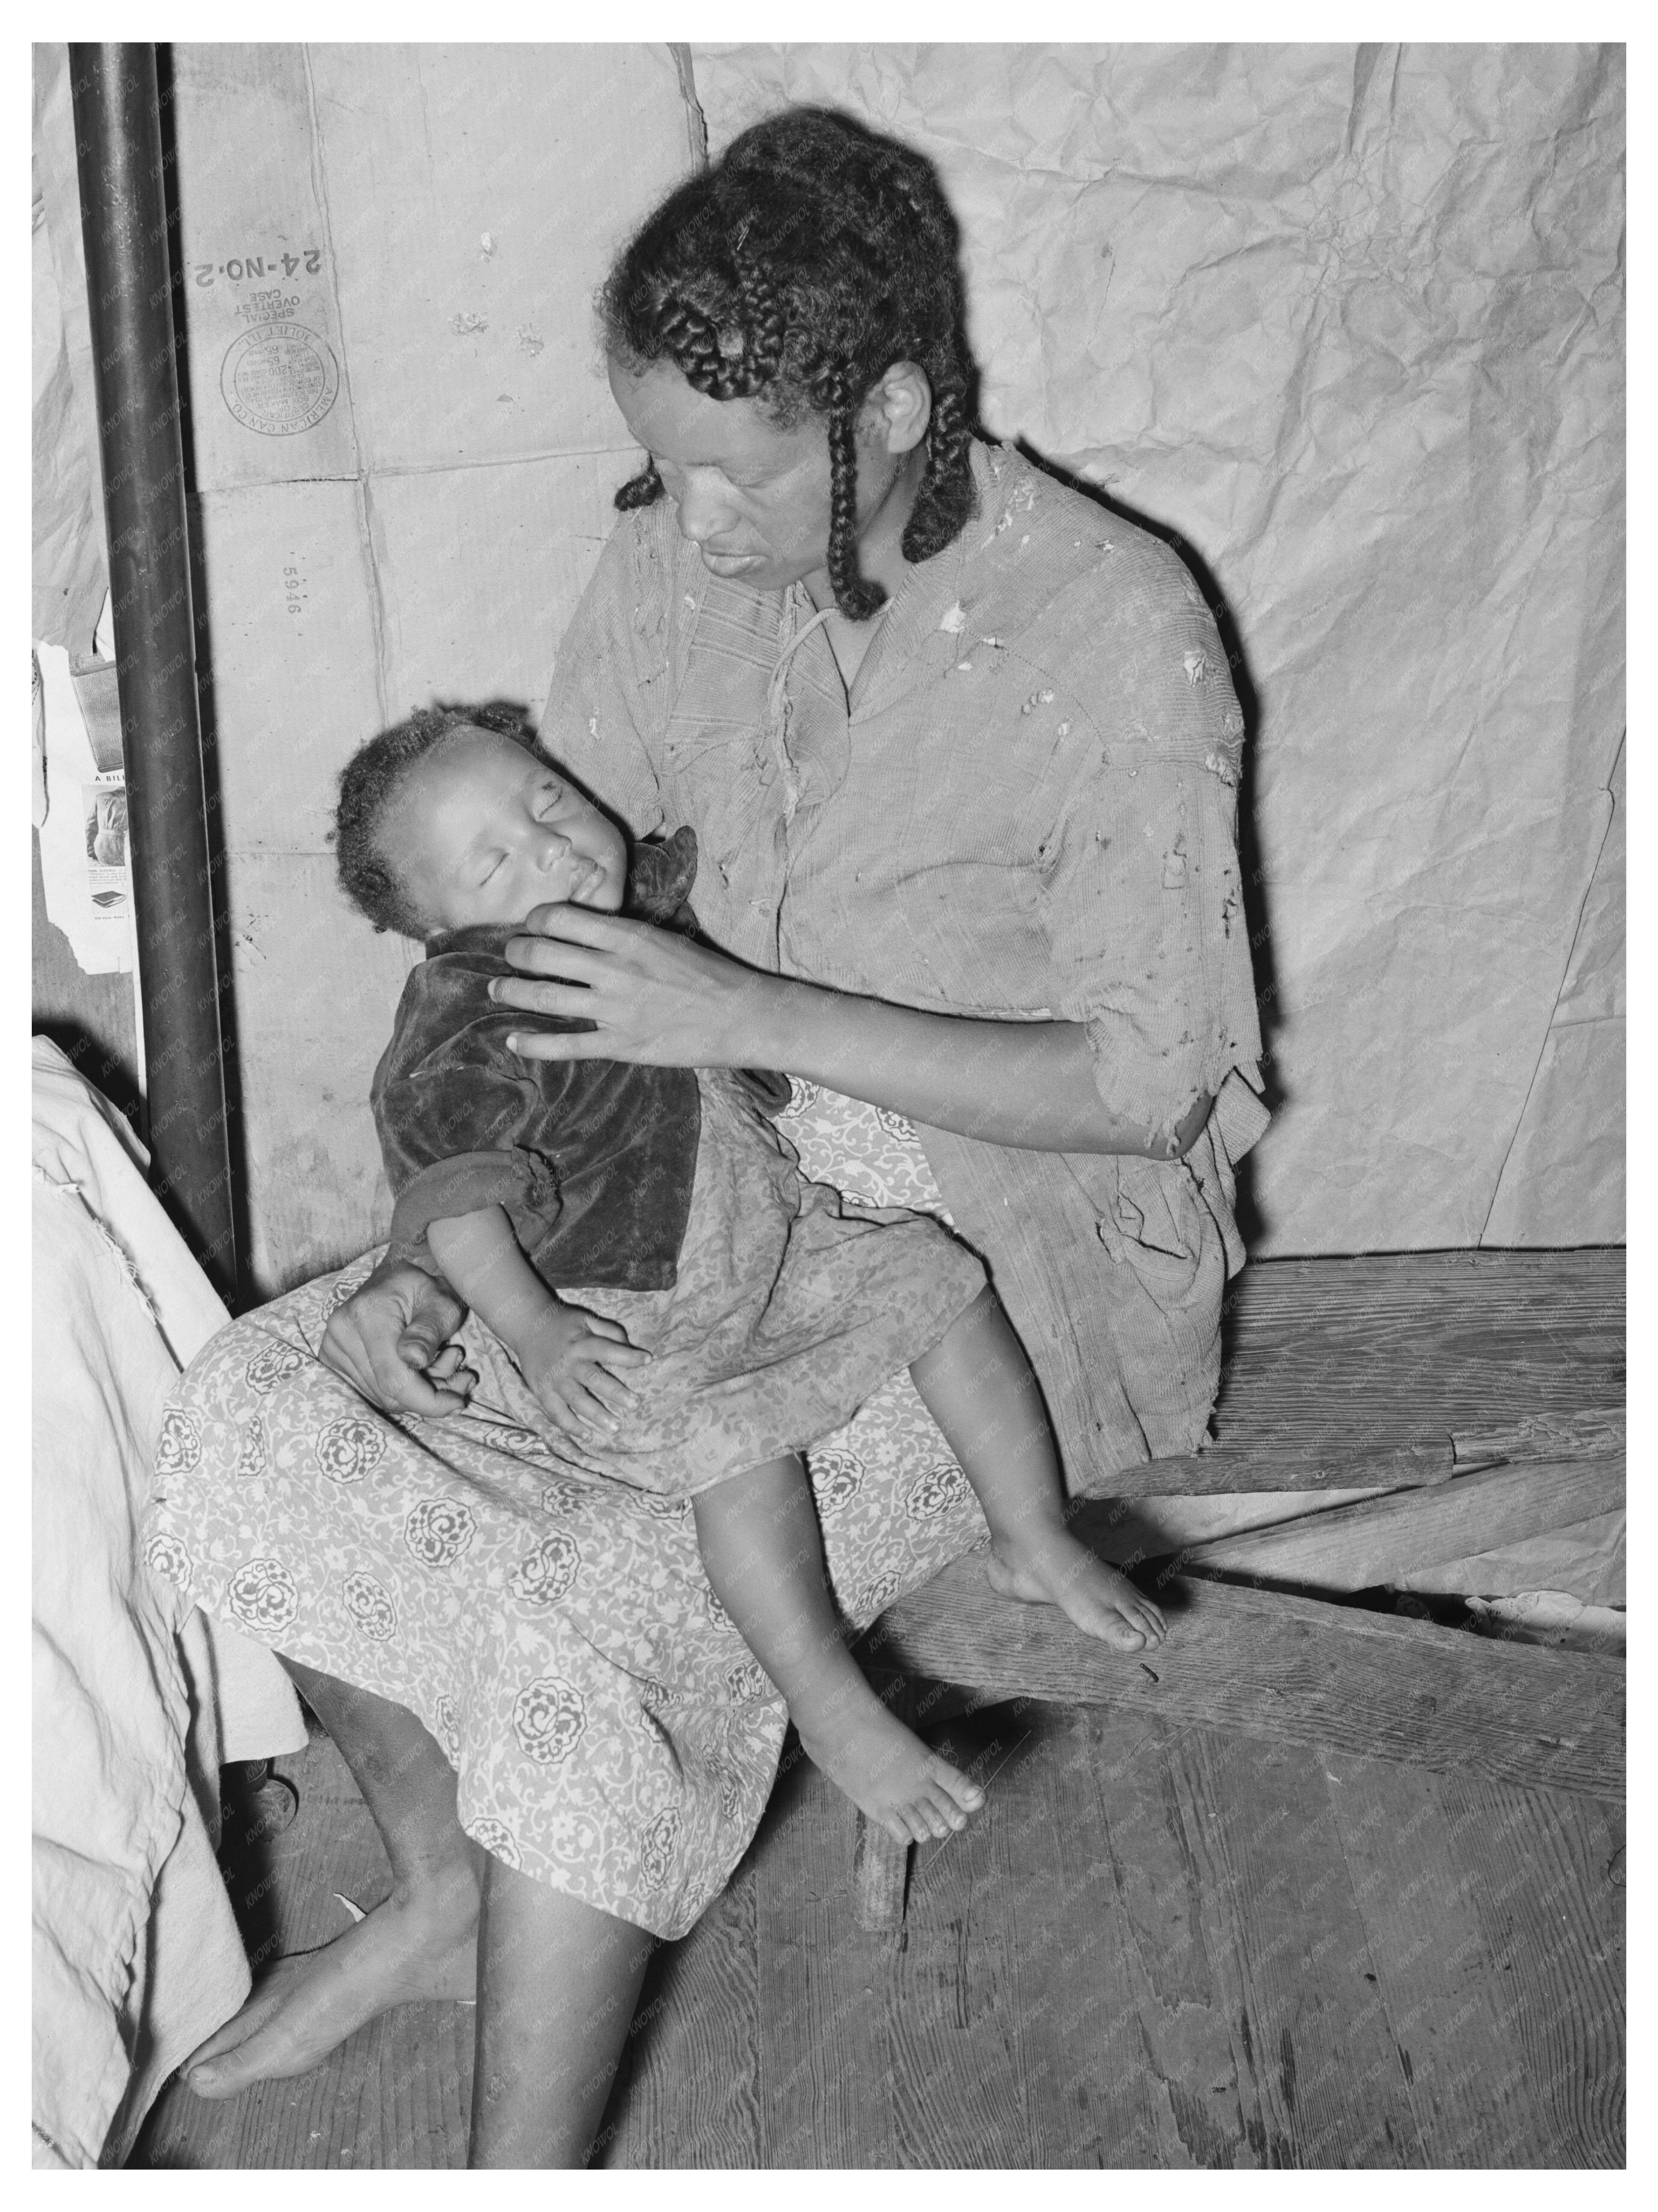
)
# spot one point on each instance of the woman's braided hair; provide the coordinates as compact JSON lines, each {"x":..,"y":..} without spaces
{"x":808,"y":259}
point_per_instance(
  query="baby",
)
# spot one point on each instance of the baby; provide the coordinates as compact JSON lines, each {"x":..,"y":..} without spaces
{"x":689,"y":1311}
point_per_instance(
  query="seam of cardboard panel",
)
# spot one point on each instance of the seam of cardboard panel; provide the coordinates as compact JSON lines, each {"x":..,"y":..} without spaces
{"x":435,"y":468}
{"x":697,"y":124}
{"x":319,"y":187}
{"x":365,"y":503}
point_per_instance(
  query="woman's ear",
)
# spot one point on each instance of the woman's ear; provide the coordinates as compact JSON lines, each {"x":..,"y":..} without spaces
{"x":899,"y":408}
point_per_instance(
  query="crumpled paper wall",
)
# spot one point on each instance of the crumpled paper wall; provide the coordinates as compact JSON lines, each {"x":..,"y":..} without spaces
{"x":1347,"y":321}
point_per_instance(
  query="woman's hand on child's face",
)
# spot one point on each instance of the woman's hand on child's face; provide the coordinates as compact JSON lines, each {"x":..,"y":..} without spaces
{"x":655,"y":998}
{"x":577,"y":1366}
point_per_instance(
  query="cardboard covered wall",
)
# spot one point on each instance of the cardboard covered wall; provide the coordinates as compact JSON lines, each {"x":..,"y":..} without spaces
{"x":405,"y":451}
{"x":1347,"y":321}
{"x":69,"y":566}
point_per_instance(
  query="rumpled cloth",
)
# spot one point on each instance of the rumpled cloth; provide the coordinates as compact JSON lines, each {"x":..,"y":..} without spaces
{"x":137,"y":1956}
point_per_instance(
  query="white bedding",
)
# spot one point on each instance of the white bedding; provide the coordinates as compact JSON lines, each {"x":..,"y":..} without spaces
{"x":136,"y":1953}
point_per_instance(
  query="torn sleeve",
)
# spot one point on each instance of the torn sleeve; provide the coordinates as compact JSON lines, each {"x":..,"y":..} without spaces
{"x":1150,"y":945}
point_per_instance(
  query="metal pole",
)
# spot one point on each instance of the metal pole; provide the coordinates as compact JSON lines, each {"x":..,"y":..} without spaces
{"x":118,"y":132}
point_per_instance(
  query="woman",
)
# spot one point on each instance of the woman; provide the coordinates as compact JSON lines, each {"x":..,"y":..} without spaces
{"x":960,"y":753}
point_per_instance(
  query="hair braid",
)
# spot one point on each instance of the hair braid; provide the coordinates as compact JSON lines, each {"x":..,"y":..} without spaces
{"x":795,"y":271}
{"x":693,"y":341}
{"x":945,"y":500}
{"x":761,"y":323}
{"x":642,"y":491}
{"x":857,"y":598}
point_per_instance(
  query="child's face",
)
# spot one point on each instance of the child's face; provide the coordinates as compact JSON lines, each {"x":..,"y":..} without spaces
{"x":483,"y":831}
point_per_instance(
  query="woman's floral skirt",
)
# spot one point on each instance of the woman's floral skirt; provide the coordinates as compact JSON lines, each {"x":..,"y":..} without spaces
{"x":610,"y":1732}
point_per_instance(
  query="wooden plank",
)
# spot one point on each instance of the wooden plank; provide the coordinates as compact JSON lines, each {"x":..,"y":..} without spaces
{"x":825,"y":2081}
{"x":881,"y":1866}
{"x":421,"y":2098}
{"x":396,"y":2096}
{"x":1352,"y":1374}
{"x":1350,"y":1547}
{"x":1595,"y":1431}
{"x":1395,"y":1347}
{"x":687,"y":2093}
{"x":1547,"y":1887}
{"x":1077,"y":1988}
{"x":1147,"y":1999}
{"x":880,"y":1877}
{"x":1448,"y":2008}
{"x":1319,"y":2080}
{"x":1277,"y":1466}
{"x":1288,"y":1666}
{"x":961,"y":2058}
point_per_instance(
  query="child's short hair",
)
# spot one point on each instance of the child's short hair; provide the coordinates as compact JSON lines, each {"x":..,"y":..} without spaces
{"x":369,"y":874}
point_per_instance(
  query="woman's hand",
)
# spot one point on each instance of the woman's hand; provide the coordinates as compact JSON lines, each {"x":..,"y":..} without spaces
{"x":653,"y":997}
{"x":391,"y":1340}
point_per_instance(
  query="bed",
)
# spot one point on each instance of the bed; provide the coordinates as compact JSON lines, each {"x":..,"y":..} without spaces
{"x":136,"y":1699}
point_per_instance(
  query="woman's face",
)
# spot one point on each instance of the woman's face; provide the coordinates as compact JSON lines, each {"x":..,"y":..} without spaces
{"x":752,"y":498}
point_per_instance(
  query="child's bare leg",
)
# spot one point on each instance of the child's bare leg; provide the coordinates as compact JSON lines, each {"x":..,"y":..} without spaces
{"x":979,"y":1387}
{"x":761,"y":1547}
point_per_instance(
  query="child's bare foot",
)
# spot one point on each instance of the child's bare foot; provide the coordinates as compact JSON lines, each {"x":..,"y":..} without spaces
{"x":1054,"y":1569}
{"x":890,"y":1774}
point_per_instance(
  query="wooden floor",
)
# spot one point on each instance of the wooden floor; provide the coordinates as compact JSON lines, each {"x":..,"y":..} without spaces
{"x":1160,"y":1947}
{"x":1168,"y":1942}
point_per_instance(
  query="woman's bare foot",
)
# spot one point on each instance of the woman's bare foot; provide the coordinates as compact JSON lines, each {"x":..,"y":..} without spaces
{"x":1054,"y":1569}
{"x":889,"y":1773}
{"x":423,"y":1944}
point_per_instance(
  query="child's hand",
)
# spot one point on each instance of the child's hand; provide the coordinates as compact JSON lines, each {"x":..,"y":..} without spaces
{"x":577,"y":1363}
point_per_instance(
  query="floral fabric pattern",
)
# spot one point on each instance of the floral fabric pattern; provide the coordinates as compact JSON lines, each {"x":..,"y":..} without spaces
{"x":610,"y":1732}
{"x":871,"y":1157}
